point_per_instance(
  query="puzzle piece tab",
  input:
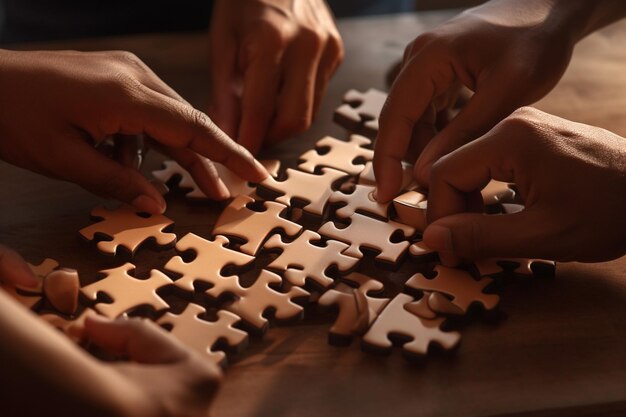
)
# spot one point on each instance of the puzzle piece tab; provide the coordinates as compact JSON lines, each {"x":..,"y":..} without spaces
{"x":126,"y":291}
{"x":239,"y":221}
{"x":360,"y":112}
{"x":341,"y":155}
{"x":127,"y":227}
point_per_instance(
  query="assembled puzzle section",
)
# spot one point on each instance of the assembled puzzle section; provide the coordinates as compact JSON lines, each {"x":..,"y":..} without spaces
{"x":347,"y":156}
{"x":360,"y":111}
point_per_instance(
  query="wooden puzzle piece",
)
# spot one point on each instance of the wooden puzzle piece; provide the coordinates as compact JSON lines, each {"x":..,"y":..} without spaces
{"x":367,"y":177}
{"x":524,"y":266}
{"x":128,"y":228}
{"x":202,"y":335}
{"x":126,"y":291}
{"x":235,"y":184}
{"x":366,"y":232}
{"x":361,"y":200}
{"x":311,"y":188}
{"x":357,"y":310}
{"x":29,"y":296}
{"x":497,"y":192}
{"x":211,"y":258}
{"x":341,"y":154}
{"x":419,"y":249}
{"x":410,"y":209}
{"x":253,"y":302}
{"x":360,"y":111}
{"x":300,"y":259}
{"x":239,"y":221}
{"x":61,"y":288}
{"x":458,"y":284}
{"x":73,"y":328}
{"x":421,"y":307}
{"x":395,"y":319}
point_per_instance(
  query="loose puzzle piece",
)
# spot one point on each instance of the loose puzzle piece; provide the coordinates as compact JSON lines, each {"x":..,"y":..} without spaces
{"x":357,"y":310}
{"x":29,"y":296}
{"x":367,"y":177}
{"x":458,"y":284}
{"x":126,"y":291}
{"x":211,"y":258}
{"x":239,"y":221}
{"x":61,"y":287}
{"x":410,"y":209}
{"x":73,"y":328}
{"x":311,"y":188}
{"x":361,"y":200}
{"x":360,"y":111}
{"x":127,"y":227}
{"x":497,"y":192}
{"x":366,"y":232}
{"x":235,"y":184}
{"x":395,"y":319}
{"x":300,"y":259}
{"x":202,"y":335}
{"x":525,"y":266}
{"x":341,"y":154}
{"x":254,"y":301}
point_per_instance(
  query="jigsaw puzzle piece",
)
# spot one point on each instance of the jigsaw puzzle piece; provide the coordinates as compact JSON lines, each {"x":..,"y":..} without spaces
{"x":311,"y":188}
{"x":360,"y":200}
{"x":420,"y":250}
{"x":370,"y":233}
{"x":239,"y":221}
{"x":340,"y":155}
{"x":395,"y":319}
{"x":211,"y":257}
{"x":457,"y":284}
{"x":360,"y":111}
{"x":357,"y":310}
{"x":61,"y":288}
{"x":422,"y":307}
{"x":202,"y":335}
{"x":410,"y":209}
{"x":497,"y":192}
{"x":126,"y":291}
{"x":300,"y":259}
{"x":72,"y":328}
{"x":127,"y":227}
{"x":30,"y":296}
{"x":522,"y":266}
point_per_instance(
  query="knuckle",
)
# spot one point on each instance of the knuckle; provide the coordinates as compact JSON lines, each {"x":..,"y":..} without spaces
{"x":274,"y":37}
{"x":312,"y":39}
{"x":335,"y":47}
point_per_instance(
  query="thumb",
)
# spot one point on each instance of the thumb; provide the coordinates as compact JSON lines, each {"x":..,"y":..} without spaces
{"x":472,"y":236}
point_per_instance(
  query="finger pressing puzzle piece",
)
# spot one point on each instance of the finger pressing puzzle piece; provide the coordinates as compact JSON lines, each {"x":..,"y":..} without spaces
{"x":367,"y":177}
{"x":338,"y":154}
{"x":360,"y":111}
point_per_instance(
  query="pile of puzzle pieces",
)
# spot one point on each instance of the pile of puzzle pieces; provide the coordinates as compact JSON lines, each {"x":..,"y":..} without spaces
{"x":304,"y":235}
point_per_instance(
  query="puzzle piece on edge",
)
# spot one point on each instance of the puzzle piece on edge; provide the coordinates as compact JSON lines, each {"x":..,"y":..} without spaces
{"x":341,"y":154}
{"x":361,"y":200}
{"x":29,"y":296}
{"x":395,"y":319}
{"x":357,"y":310}
{"x":211,"y":257}
{"x":458,"y":284}
{"x":370,"y":233}
{"x":410,"y":209}
{"x":127,"y":227}
{"x":61,"y":288}
{"x":239,"y":221}
{"x":252,"y":302}
{"x":311,"y":188}
{"x":300,"y":259}
{"x":126,"y":291}
{"x":235,"y":184}
{"x":497,"y":192}
{"x":202,"y":335}
{"x":360,"y":111}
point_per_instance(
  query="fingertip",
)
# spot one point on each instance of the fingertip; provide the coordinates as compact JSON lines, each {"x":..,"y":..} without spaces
{"x":14,"y":268}
{"x":439,"y":238}
{"x":261,"y":171}
{"x":150,"y":204}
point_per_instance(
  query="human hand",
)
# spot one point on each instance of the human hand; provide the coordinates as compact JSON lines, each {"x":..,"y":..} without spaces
{"x":572,"y":178}
{"x":509,"y":53}
{"x":271,"y":61}
{"x":186,"y":384}
{"x":14,"y":270}
{"x":57,"y":105}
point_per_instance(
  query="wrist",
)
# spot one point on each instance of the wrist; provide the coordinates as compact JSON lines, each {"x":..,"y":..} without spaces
{"x":584,"y":17}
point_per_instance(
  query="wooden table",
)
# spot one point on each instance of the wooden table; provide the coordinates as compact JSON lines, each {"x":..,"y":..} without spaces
{"x":560,"y":351}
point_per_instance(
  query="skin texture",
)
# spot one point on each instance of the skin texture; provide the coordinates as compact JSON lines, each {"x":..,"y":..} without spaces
{"x":509,"y":53}
{"x":271,"y":61}
{"x":79,"y":100}
{"x":561,"y":168}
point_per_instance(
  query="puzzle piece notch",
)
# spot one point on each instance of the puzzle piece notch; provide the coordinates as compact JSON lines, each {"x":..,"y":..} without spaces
{"x":300,"y":259}
{"x":410,"y":209}
{"x":340,"y":155}
{"x":202,"y":335}
{"x":127,"y":227}
{"x":313,"y":189}
{"x":211,"y":257}
{"x":239,"y":221}
{"x":360,"y":200}
{"x":458,"y":284}
{"x":396,"y":319}
{"x":126,"y":291}
{"x":366,"y":232}
{"x":30,"y":296}
{"x":360,"y":111}
{"x":235,"y":184}
{"x":357,"y":310}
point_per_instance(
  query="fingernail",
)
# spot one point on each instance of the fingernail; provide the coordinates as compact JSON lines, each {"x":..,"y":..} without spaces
{"x":439,"y":238}
{"x":148,"y":204}
{"x":11,"y":261}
